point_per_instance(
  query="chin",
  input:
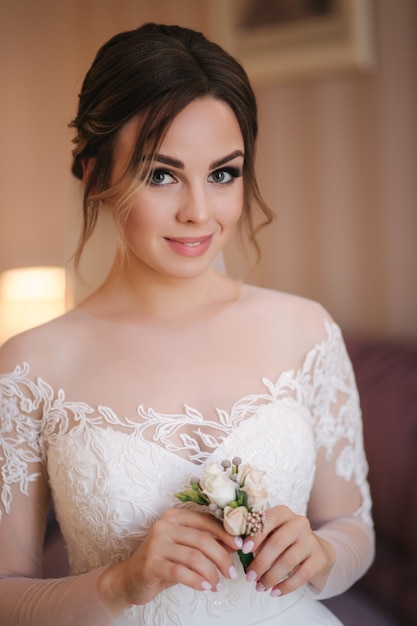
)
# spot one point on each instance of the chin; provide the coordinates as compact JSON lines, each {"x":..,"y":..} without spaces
{"x":192,"y":268}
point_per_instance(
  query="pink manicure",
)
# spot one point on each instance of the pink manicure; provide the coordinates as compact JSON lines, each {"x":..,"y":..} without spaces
{"x":248,"y":546}
{"x":251,"y":576}
{"x":232,"y":572}
{"x":206,"y":586}
{"x":275,"y":593}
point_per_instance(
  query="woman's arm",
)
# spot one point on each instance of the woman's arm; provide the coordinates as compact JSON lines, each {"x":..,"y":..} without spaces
{"x":71,"y":601}
{"x":182,"y":547}
{"x":333,"y":545}
{"x":340,"y":501}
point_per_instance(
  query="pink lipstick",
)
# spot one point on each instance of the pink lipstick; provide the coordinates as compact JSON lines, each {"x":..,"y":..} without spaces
{"x":190,"y":246}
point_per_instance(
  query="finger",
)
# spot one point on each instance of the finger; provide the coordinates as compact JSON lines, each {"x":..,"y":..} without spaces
{"x":204,"y":522}
{"x":285,"y":566}
{"x":190,"y":567}
{"x":282,"y":550}
{"x":207,"y":546}
{"x":158,"y":574}
{"x":164,"y":560}
{"x":180,"y":574}
{"x":273,"y":546}
{"x":315,"y":567}
{"x":295,"y":579}
{"x":274,"y":519}
{"x":204,"y":548}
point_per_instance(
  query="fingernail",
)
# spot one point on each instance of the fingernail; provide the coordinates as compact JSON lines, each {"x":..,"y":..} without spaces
{"x":260,"y":587}
{"x":275,"y":593}
{"x":238,"y":542}
{"x":206,"y":586}
{"x":232,"y":572}
{"x":248,"y":546}
{"x":251,"y":576}
{"x":219,"y":586}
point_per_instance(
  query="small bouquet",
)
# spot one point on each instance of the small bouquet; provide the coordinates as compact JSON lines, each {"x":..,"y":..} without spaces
{"x":234,"y":493}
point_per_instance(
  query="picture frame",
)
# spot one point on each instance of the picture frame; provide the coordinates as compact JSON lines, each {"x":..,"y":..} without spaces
{"x":339,"y":40}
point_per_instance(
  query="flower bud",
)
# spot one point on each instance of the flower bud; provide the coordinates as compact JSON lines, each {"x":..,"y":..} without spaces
{"x":250,"y":475}
{"x":257,"y":496}
{"x":234,"y":520}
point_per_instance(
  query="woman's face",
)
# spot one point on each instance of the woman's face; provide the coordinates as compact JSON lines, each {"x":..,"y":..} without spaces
{"x":186,"y":212}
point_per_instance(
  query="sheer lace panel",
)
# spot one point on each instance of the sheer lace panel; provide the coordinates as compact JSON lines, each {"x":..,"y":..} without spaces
{"x":112,"y":476}
{"x":34,"y":416}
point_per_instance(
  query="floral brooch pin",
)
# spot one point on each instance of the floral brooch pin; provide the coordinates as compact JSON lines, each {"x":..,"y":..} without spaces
{"x":234,"y":493}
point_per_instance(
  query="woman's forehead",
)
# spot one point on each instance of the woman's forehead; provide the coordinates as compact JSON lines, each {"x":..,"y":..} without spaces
{"x":202,"y":126}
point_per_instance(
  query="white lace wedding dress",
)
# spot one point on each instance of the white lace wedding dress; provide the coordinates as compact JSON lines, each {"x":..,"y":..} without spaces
{"x":111,"y":476}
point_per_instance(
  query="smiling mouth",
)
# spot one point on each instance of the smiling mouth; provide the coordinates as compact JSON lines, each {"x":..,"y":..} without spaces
{"x":190,"y":246}
{"x":188,"y":241}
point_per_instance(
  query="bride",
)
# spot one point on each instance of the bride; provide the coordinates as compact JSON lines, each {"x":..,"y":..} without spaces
{"x":113,"y":408}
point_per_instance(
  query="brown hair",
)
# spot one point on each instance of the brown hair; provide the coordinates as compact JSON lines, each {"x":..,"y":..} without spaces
{"x":155,"y":70}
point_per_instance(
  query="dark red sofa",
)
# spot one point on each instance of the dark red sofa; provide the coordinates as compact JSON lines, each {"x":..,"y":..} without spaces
{"x":386,"y":374}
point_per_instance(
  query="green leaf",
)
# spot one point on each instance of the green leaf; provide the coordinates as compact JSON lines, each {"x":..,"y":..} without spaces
{"x":242,"y":498}
{"x":192,"y":495}
{"x":245,"y":559}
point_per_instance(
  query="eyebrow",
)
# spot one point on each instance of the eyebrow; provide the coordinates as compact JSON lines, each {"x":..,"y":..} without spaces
{"x":167,"y":160}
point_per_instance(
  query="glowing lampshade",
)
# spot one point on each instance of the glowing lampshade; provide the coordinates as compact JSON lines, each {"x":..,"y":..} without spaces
{"x":30,"y":296}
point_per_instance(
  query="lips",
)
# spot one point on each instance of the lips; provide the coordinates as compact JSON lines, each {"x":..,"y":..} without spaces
{"x":190,"y":246}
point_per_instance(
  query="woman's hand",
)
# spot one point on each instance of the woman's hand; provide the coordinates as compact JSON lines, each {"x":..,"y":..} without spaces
{"x":183,"y":546}
{"x":288,"y":554}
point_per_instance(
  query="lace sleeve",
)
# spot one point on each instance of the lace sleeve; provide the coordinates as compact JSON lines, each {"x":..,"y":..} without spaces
{"x":25,"y":599}
{"x":340,"y":504}
{"x":20,"y":433}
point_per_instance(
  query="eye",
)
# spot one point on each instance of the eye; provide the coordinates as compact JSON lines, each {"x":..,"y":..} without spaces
{"x":225,"y":176}
{"x":160,"y":177}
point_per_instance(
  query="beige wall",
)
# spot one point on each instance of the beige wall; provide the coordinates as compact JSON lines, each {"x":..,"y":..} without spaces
{"x":46,"y":46}
{"x":338,"y":163}
{"x":337,"y":159}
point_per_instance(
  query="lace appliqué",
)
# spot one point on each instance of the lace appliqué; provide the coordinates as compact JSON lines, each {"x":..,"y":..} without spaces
{"x":33,"y":417}
{"x":336,"y":413}
{"x":111,"y":477}
{"x":19,"y":436}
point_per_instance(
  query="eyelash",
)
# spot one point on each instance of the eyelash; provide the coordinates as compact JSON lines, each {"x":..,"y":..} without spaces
{"x":158,"y":171}
{"x":233,"y":172}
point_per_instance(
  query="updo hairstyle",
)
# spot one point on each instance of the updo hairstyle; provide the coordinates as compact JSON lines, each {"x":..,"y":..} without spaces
{"x":156,"y":71}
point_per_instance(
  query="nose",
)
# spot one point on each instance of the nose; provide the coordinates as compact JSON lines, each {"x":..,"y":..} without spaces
{"x":195,"y":205}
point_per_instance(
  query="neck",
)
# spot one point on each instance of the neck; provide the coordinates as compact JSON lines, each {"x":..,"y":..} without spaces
{"x":157,"y":299}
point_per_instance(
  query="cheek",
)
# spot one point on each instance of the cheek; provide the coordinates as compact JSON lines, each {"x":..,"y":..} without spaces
{"x":230,"y":207}
{"x":143,"y":216}
{"x":236,"y":206}
{"x":135,"y":225}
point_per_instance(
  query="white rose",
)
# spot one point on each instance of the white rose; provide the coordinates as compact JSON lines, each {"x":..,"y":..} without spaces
{"x":217,"y":486}
{"x":234,"y":520}
{"x":250,"y":475}
{"x":257,"y":496}
{"x":254,"y":485}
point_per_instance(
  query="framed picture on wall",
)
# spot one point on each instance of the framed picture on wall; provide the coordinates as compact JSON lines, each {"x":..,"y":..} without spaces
{"x":283,"y":40}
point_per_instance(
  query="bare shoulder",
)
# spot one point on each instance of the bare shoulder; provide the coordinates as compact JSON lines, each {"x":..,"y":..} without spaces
{"x":280,"y":303}
{"x":289,"y":317}
{"x":46,"y":348}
